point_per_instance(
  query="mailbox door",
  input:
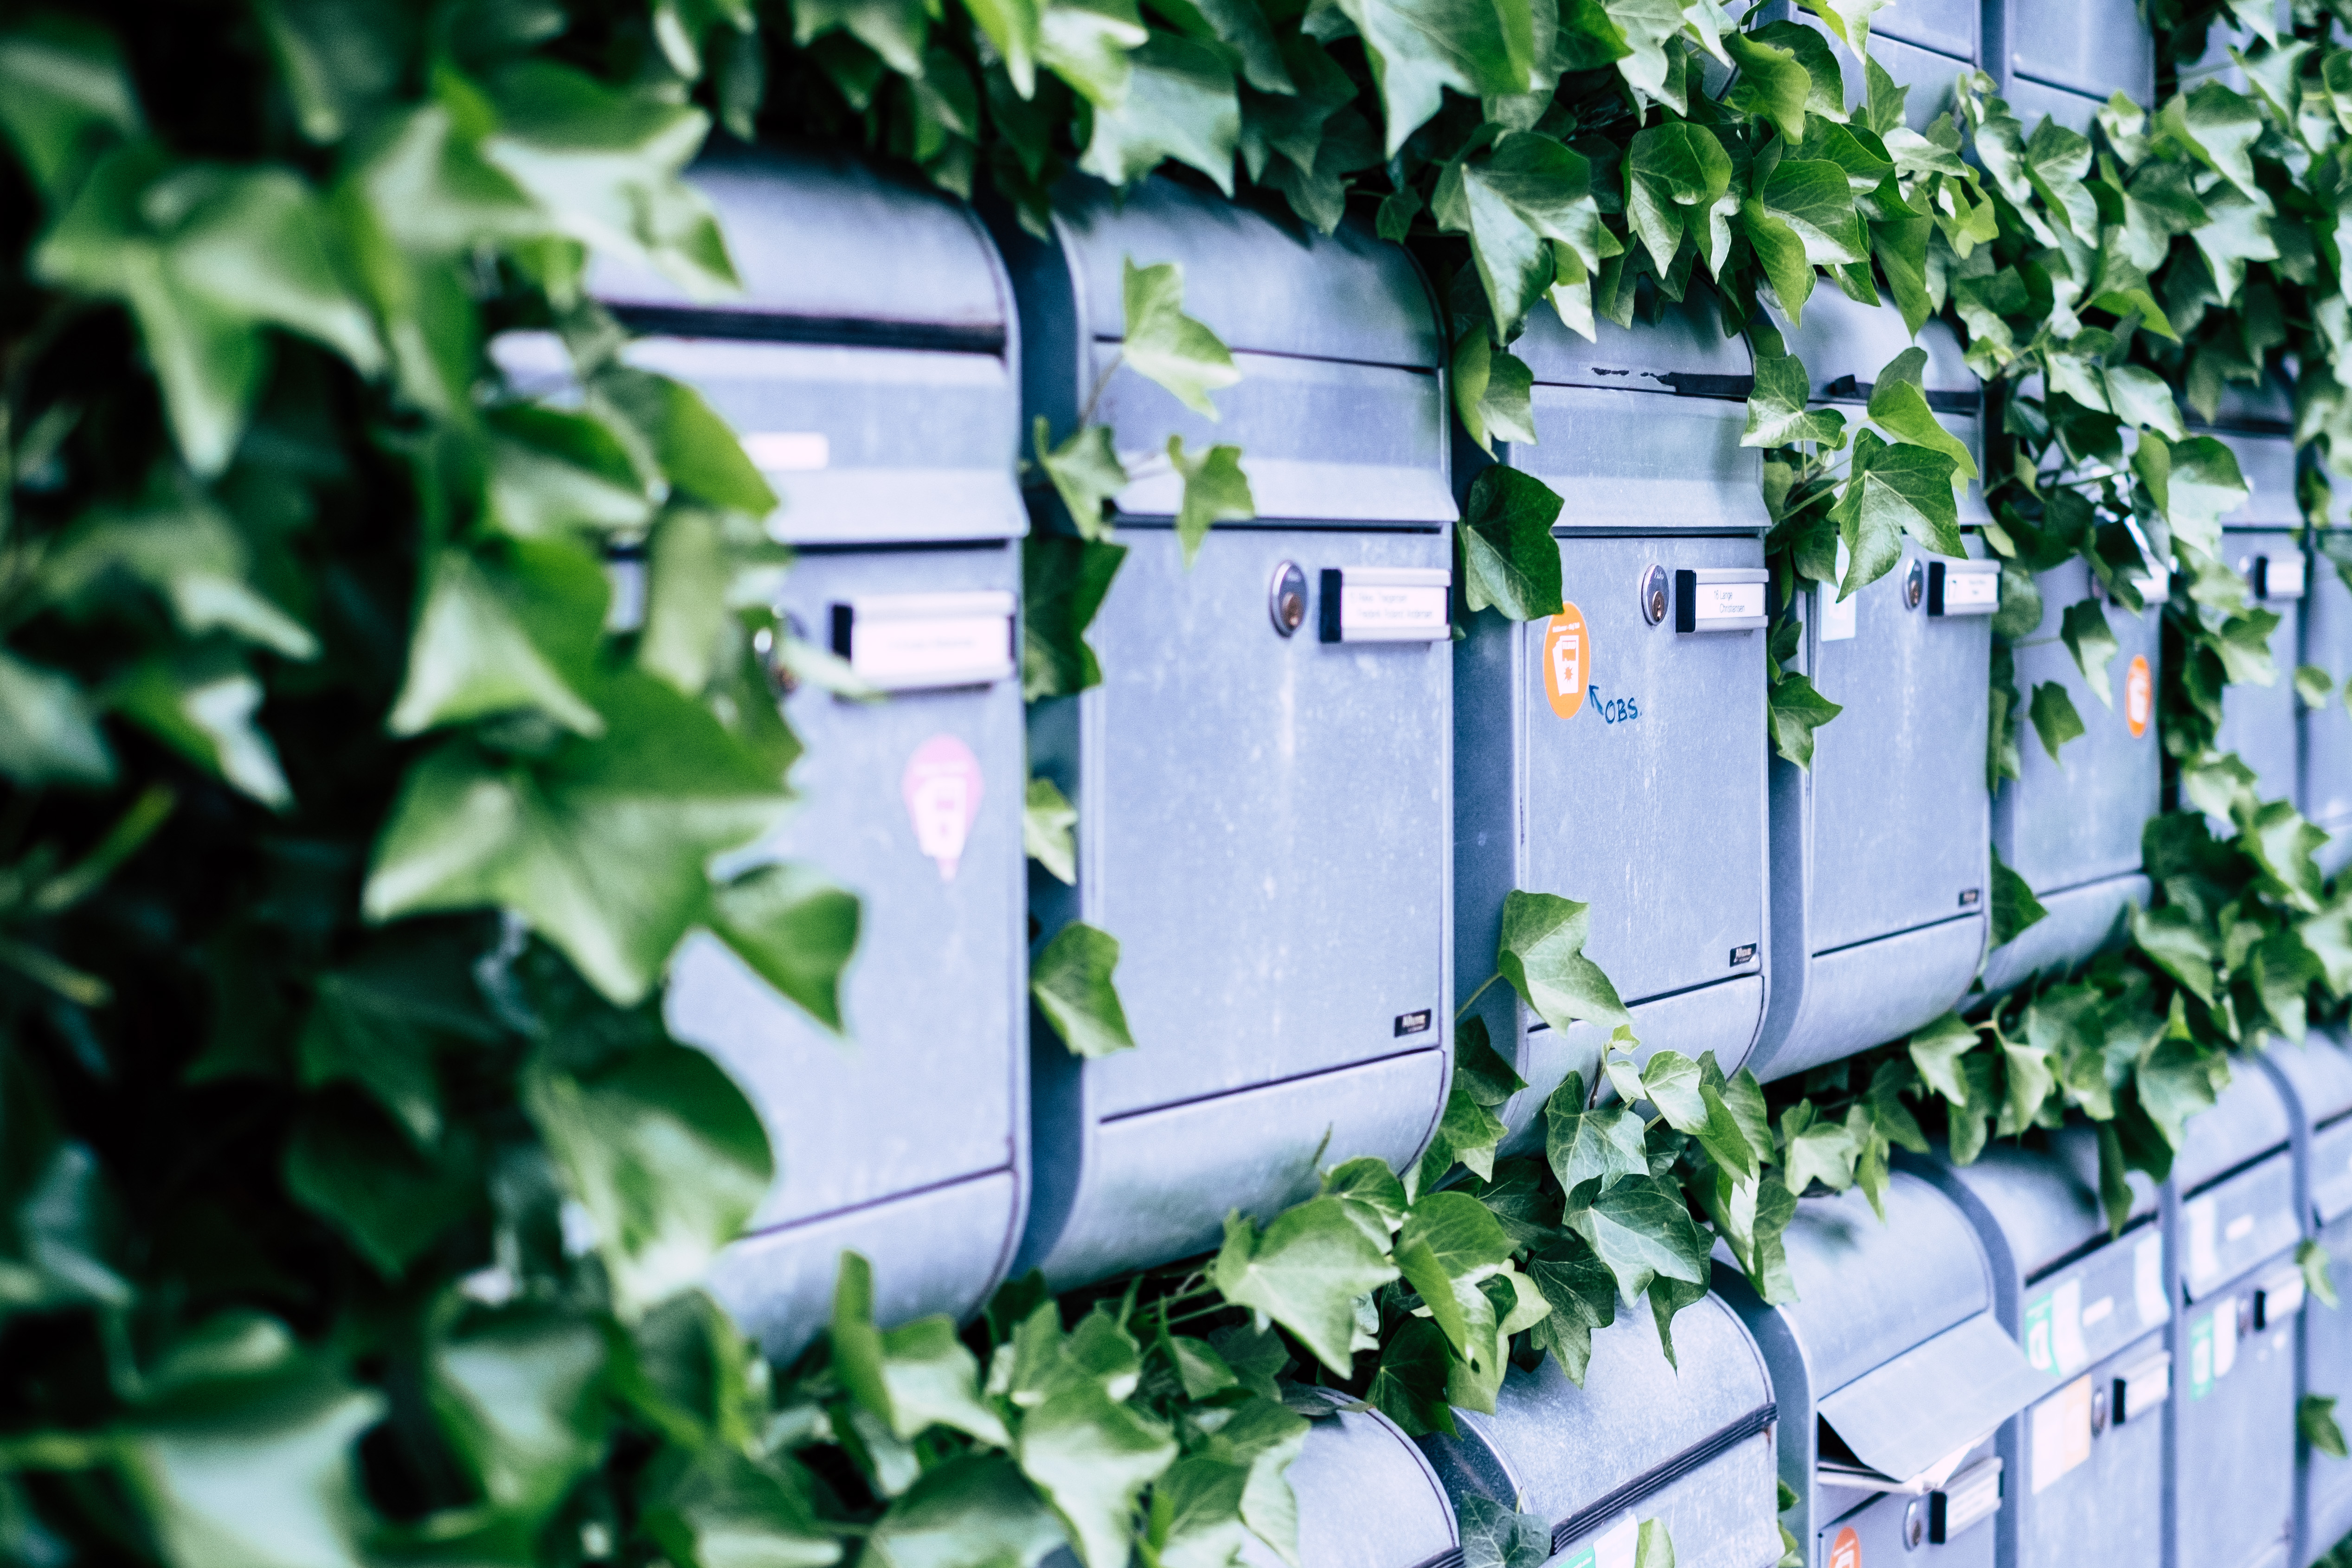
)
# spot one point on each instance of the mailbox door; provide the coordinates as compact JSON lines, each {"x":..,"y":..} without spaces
{"x":1646,"y":773}
{"x":1946,"y":26}
{"x":2234,"y":1399}
{"x":1366,"y":1499}
{"x":1893,"y":1527}
{"x":2072,"y":827}
{"x":1898,"y":777}
{"x":2327,"y":1370}
{"x":2327,"y":728}
{"x":2261,"y":723}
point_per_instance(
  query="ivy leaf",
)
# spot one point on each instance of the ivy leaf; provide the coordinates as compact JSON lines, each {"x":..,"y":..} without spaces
{"x":1541,"y":953}
{"x":1510,"y":559}
{"x":601,"y":845}
{"x":2237,"y":231}
{"x":1215,"y":490}
{"x":1467,"y":1133}
{"x":1492,"y":392}
{"x":2311,"y":1257}
{"x":1583,"y":1295}
{"x":1417,"y":48}
{"x":1495,"y":1536}
{"x":1797,"y":711}
{"x":1777,"y":412}
{"x":1047,"y":821}
{"x":1063,"y":584}
{"x":1086,"y":473}
{"x":1899,"y":407}
{"x":2140,"y":398}
{"x":387,"y":1198}
{"x":1816,"y":1149}
{"x":1305,"y":1272}
{"x":1168,"y":346}
{"x":63,"y":92}
{"x":1448,"y":1244}
{"x":1092,"y":1456}
{"x":1180,"y":103}
{"x":1409,"y":1385}
{"x":520,"y":1397}
{"x":1195,"y":1519}
{"x":1891,"y":490}
{"x":1088,"y":44}
{"x":696,"y":450}
{"x":1650,"y":64}
{"x":1850,"y":20}
{"x":725,"y":1510}
{"x":1479,"y":1069}
{"x":203,"y":705}
{"x":2315,"y":1419}
{"x":1884,"y":98}
{"x":2014,"y":906}
{"x":1671,"y":1082}
{"x":1515,"y":200}
{"x":517,"y":629}
{"x":1676,"y":174}
{"x":1603,"y":1143}
{"x":972,"y":1511}
{"x":2314,"y":686}
{"x":1640,"y":1230}
{"x":2054,"y":719}
{"x":1781,"y":254}
{"x":2092,"y":643}
{"x":1264,"y":1438}
{"x":1811,"y":196}
{"x":1936,"y":1049}
{"x":1771,"y":85}
{"x":48,"y":726}
{"x":1071,"y":981}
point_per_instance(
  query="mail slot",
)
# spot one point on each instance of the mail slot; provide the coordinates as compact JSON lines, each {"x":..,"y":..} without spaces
{"x":2231,"y":1223}
{"x":1893,"y":1376}
{"x":1258,"y":802}
{"x":2263,"y":542}
{"x":2085,"y":1458}
{"x":2062,"y":58}
{"x":867,"y":367}
{"x":2317,"y":1076}
{"x":1879,"y":866}
{"x":1689,"y":1444}
{"x":2070,"y":825}
{"x":1614,"y":753}
{"x":2327,"y":728}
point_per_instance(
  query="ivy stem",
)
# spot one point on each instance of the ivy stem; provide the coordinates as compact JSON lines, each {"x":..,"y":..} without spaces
{"x":1459,"y":1013}
{"x":1086,"y":413}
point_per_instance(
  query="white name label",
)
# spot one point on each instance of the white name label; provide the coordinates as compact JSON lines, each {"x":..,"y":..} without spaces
{"x":1729,"y":602}
{"x":911,"y":642}
{"x":2283,"y":577}
{"x":1390,"y":604}
{"x":1971,"y":593}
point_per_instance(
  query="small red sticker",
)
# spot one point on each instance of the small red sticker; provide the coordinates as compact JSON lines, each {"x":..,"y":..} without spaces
{"x":1845,"y":1552}
{"x":942,"y":790}
{"x":1566,"y":660}
{"x":2140,"y":695}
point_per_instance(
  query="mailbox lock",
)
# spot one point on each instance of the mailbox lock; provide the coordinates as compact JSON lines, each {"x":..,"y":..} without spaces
{"x":1915,"y":1524}
{"x":1653,"y":593}
{"x":1286,"y":598}
{"x":1914,"y":586}
{"x":768,"y":646}
{"x":2098,"y":1410}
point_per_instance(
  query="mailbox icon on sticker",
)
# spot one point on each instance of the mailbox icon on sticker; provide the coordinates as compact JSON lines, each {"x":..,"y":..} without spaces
{"x":1568,"y":661}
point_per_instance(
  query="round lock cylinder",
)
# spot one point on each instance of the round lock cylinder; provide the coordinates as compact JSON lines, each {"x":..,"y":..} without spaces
{"x":1653,"y":594}
{"x":1915,"y":583}
{"x":1286,"y":598}
{"x":1915,"y":1524}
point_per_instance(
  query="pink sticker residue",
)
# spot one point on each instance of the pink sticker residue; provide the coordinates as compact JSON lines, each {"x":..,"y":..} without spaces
{"x":942,"y":790}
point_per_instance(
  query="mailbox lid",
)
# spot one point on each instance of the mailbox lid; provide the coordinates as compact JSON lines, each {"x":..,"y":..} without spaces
{"x":2091,"y":47}
{"x":1642,"y":428}
{"x":1868,"y":1290}
{"x":1574,"y":1449}
{"x":1902,"y":1416}
{"x":2045,"y":1200}
{"x":1261,"y":286}
{"x":2064,"y":824}
{"x":1667,"y":747}
{"x":1367,"y":1499}
{"x":1946,"y":26}
{"x":2033,"y":102}
{"x":2248,"y":1121}
{"x":1844,"y":344}
{"x":831,"y":249}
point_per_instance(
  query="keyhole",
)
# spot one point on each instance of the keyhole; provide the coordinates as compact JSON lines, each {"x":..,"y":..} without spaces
{"x":1287,"y":598}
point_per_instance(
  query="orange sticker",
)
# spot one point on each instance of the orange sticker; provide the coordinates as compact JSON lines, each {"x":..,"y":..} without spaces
{"x":1845,"y":1552}
{"x":1566,"y":660}
{"x":2140,"y":695}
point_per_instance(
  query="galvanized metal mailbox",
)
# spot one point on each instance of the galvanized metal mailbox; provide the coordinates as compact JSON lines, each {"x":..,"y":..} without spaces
{"x":870,"y":368}
{"x":2316,"y":1077}
{"x":1879,"y":866}
{"x":1892,"y":1375}
{"x":2230,"y":1229}
{"x":1367,"y":1499}
{"x":1265,"y":802}
{"x":2083,"y":1464}
{"x":2072,"y":827}
{"x":1691,"y":1447}
{"x":1614,"y":753}
{"x":2062,"y":58}
{"x":2263,"y":542}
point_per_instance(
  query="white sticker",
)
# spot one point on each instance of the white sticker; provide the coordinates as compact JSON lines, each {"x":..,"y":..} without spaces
{"x":906,"y":642}
{"x":1616,"y":1547}
{"x":2099,"y":1311}
{"x":2067,"y":1314}
{"x":1970,"y":592}
{"x":2148,"y":1282}
{"x":2238,"y":1228}
{"x":788,"y":451}
{"x":2062,"y":1433}
{"x":2283,"y":577}
{"x":2204,"y":1263}
{"x":1839,"y":621}
{"x":2225,"y":1339}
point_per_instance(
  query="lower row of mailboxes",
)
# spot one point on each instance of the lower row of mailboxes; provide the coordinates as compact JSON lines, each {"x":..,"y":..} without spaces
{"x":1986,"y":1376}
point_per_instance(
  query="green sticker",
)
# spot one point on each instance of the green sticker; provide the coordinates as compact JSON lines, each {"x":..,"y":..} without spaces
{"x":2037,"y":1338}
{"x":2200,"y":1357}
{"x":1584,"y":1559}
